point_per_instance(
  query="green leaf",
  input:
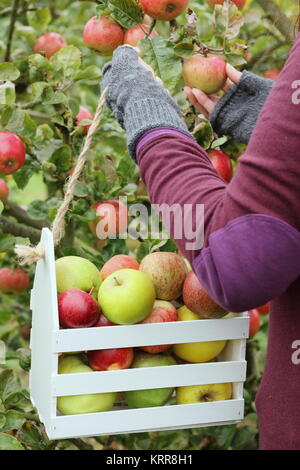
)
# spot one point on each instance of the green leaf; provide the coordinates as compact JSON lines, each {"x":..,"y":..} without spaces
{"x":37,"y":210}
{"x":37,"y":89}
{"x":9,"y":384}
{"x":22,"y":176}
{"x":8,"y":442}
{"x":159,"y":54}
{"x":184,"y":49}
{"x":126,"y":12}
{"x":219,"y":142}
{"x":1,"y":207}
{"x":81,"y":189}
{"x":39,"y":62}
{"x":62,"y":158}
{"x":89,"y":73}
{"x":39,"y":19}
{"x":32,"y":436}
{"x":7,"y":94}
{"x":8,"y":72}
{"x":14,"y":420}
{"x":67,"y":59}
{"x":2,"y":420}
{"x":18,"y":400}
{"x":53,"y":97}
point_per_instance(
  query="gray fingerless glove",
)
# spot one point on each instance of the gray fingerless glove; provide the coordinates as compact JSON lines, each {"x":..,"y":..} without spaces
{"x":137,"y":100}
{"x":237,"y":112}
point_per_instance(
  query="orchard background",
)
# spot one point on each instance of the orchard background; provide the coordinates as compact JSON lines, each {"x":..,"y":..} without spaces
{"x":39,"y":101}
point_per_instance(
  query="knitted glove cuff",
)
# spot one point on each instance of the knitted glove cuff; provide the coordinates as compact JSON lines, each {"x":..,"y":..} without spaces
{"x":237,"y":111}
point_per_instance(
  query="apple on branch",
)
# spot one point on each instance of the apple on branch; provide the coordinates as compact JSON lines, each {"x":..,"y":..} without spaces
{"x":134,"y":35}
{"x":112,"y":219}
{"x":83,"y":115}
{"x":103,"y":35}
{"x":48,"y":44}
{"x":206,"y":73}
{"x":4,"y":190}
{"x":167,"y":271}
{"x":13,"y":280}
{"x":12,"y":152}
{"x":222,"y":164}
{"x":165,"y":10}
{"x":254,"y":322}
{"x":239,"y":3}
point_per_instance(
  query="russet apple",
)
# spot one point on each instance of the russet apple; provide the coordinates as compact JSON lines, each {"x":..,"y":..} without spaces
{"x":162,"y":312}
{"x":167,"y":271}
{"x":116,"y":263}
{"x":82,"y":116}
{"x":206,"y":73}
{"x":254,"y":322}
{"x":165,"y":10}
{"x":197,"y":299}
{"x":13,"y":280}
{"x":239,"y":3}
{"x":111,"y":359}
{"x":74,"y":272}
{"x":222,"y":164}
{"x":196,"y":352}
{"x":12,"y":153}
{"x":4,"y":190}
{"x":150,"y":397}
{"x":77,"y":309}
{"x":81,"y":404}
{"x":203,"y":393}
{"x":103,"y":35}
{"x":48,"y":44}
{"x":127,"y":296}
{"x":112,"y":219}
{"x":135,"y":34}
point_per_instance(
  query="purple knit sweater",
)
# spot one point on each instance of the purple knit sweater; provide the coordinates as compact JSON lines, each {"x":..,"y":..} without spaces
{"x":252,"y":241}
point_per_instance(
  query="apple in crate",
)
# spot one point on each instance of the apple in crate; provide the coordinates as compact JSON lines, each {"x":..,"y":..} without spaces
{"x":167,"y":271}
{"x":77,"y":309}
{"x":203,"y":393}
{"x":81,"y":404}
{"x":196,"y":352}
{"x":198,"y":300}
{"x":116,"y":263}
{"x":73,"y":272}
{"x":103,"y":321}
{"x":162,"y":312}
{"x":111,"y":359}
{"x":150,"y":397}
{"x":127,"y":296}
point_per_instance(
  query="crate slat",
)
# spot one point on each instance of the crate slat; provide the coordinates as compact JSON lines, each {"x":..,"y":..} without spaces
{"x":146,"y":419}
{"x":148,"y":378}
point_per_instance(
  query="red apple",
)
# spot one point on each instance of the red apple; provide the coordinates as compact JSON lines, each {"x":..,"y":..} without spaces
{"x":254,"y":322}
{"x":165,"y":10}
{"x":13,"y":280}
{"x":197,"y":299}
{"x":111,"y":221}
{"x":4,"y":190}
{"x":103,"y":35}
{"x":162,"y":312}
{"x":167,"y":271}
{"x":264,"y":309}
{"x":239,"y":3}
{"x":222,"y":164}
{"x":77,"y":309}
{"x":273,"y":74}
{"x":103,"y":321}
{"x":116,"y":263}
{"x":49,"y":44}
{"x":82,"y":116}
{"x":111,"y":359}
{"x":134,"y":35}
{"x":206,"y":73}
{"x":12,"y":153}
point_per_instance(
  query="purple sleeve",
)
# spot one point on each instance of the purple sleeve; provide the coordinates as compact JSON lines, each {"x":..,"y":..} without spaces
{"x":237,"y":256}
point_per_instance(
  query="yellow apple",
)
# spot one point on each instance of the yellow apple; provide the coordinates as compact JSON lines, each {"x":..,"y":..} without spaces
{"x":196,"y":352}
{"x":203,"y":393}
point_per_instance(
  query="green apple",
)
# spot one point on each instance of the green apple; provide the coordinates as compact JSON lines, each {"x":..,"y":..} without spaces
{"x":150,"y":397}
{"x":73,"y":272}
{"x":127,"y":296}
{"x":203,"y":393}
{"x":196,"y":352}
{"x":81,"y":404}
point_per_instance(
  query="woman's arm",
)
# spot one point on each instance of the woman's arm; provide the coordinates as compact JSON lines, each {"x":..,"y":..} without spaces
{"x":252,"y":240}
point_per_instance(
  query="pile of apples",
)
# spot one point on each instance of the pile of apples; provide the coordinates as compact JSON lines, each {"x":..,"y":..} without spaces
{"x":163,"y":288}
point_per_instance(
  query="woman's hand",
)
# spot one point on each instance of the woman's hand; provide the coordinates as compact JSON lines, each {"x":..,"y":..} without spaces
{"x":204,"y":103}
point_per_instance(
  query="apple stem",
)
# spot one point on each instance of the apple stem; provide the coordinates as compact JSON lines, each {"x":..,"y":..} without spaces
{"x":117,"y":282}
{"x":92,"y":290}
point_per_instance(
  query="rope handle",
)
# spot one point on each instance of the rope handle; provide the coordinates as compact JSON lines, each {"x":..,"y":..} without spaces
{"x":31,"y":254}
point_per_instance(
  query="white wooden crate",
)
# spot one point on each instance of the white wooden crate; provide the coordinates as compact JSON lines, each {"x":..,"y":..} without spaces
{"x":47,"y":340}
